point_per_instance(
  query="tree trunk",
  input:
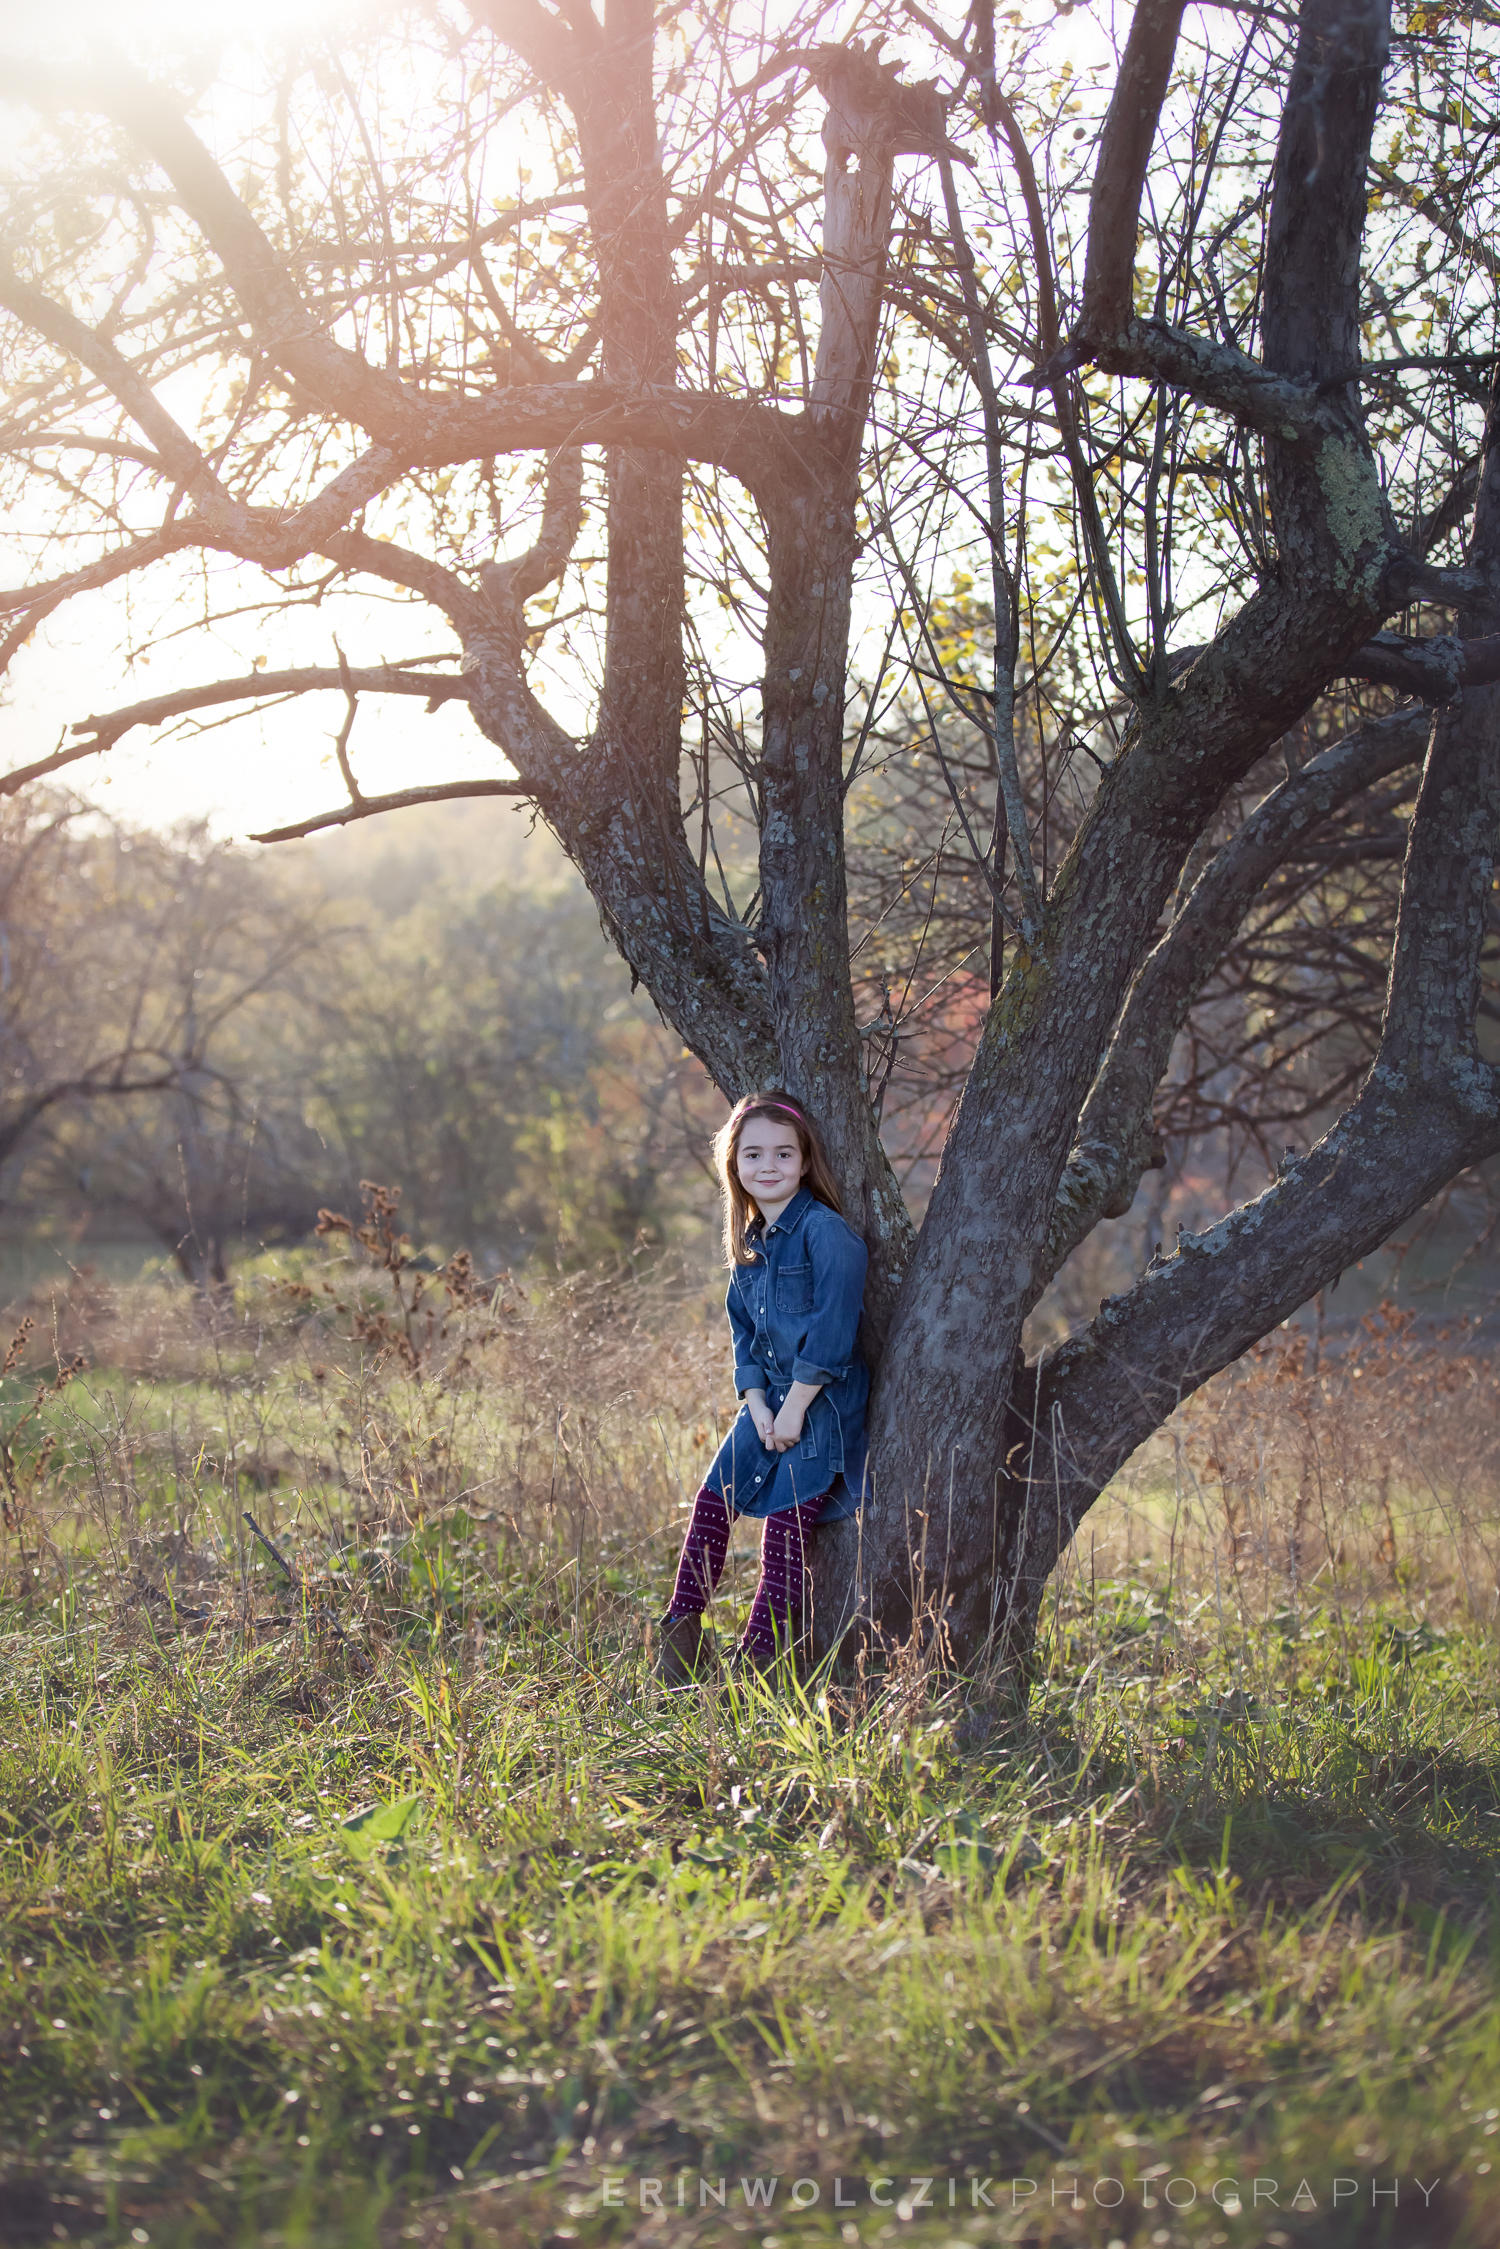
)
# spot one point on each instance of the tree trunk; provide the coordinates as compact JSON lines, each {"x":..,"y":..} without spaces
{"x":948,"y":1531}
{"x":813,"y":542}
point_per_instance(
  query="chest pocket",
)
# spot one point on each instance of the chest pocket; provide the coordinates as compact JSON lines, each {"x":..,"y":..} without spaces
{"x":794,"y":1290}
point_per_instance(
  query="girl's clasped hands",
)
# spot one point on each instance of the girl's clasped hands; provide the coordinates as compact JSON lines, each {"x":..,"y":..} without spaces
{"x":778,"y":1432}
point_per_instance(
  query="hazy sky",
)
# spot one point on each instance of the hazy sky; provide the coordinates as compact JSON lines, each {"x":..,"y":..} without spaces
{"x":27,"y":25}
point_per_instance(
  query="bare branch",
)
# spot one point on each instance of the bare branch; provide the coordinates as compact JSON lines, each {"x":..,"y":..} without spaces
{"x":398,"y":566}
{"x":1436,"y":669}
{"x":533,"y":363}
{"x":448,"y":792}
{"x":1214,"y":373}
{"x":1475,"y":587}
{"x":538,"y":38}
{"x":1041,"y":245}
{"x":1470,"y":245}
{"x":1449,"y":512}
{"x":748,"y":439}
{"x":179,"y":455}
{"x":106,"y":1080}
{"x":756,"y":443}
{"x":1003,"y":587}
{"x":1314,"y":232}
{"x":341,"y":739}
{"x":105,"y":729}
{"x":72,"y":440}
{"x":511,"y":584}
{"x":1120,"y":174}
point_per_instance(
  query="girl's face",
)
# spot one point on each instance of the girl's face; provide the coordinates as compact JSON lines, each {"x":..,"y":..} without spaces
{"x":768,"y":1159}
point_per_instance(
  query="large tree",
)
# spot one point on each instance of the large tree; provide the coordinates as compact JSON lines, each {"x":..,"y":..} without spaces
{"x":1234,"y":396}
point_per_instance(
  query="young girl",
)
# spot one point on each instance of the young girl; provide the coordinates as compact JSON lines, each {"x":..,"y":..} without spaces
{"x":796,"y":1453}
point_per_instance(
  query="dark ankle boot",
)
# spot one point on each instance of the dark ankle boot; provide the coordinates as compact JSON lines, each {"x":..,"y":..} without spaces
{"x":684,"y":1650}
{"x":760,"y":1662}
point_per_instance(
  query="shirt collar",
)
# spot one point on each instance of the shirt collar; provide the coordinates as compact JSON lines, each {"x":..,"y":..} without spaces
{"x":796,"y":1210}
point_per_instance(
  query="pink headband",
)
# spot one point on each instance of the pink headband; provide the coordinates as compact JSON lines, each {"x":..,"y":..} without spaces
{"x":784,"y":1106}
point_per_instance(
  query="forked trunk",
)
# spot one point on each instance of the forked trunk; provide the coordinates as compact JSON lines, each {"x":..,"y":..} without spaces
{"x":976,"y":1496}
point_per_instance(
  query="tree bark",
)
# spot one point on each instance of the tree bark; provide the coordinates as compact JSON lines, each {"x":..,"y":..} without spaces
{"x":813,"y":542}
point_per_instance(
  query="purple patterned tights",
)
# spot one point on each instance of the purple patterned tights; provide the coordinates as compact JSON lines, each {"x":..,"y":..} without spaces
{"x":782,"y":1550}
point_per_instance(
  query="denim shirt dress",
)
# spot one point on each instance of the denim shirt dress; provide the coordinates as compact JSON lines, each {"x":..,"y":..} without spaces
{"x":793,"y":1316}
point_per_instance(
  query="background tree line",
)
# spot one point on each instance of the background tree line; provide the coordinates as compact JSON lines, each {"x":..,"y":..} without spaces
{"x":203,"y":1046}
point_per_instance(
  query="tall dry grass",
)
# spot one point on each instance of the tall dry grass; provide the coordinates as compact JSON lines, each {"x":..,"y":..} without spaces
{"x":349,"y":1402}
{"x":354,"y":1406}
{"x":1356,"y":1471}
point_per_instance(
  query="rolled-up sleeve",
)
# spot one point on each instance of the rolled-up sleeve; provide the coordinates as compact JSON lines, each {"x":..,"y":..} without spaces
{"x":838,"y":1259}
{"x":749,"y":1374}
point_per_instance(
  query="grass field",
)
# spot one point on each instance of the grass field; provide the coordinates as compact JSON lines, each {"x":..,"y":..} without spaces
{"x":375,"y":1893}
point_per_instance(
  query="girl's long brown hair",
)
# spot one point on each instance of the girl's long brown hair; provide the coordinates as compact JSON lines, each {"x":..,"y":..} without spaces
{"x":741,"y":1208}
